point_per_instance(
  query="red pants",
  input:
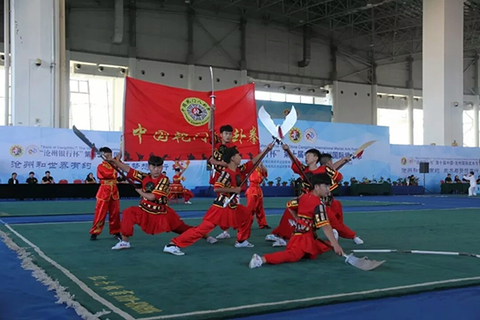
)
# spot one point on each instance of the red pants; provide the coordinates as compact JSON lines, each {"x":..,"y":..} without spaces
{"x":152,"y":223}
{"x":187,"y":195}
{"x":286,"y":227}
{"x":113,"y":207}
{"x":335,"y":216}
{"x":214,"y":217}
{"x":255,"y":206}
{"x":298,"y":247}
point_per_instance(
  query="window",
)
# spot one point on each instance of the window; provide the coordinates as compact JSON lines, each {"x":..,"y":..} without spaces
{"x":417,"y":126}
{"x":92,"y":103}
{"x":306,"y":99}
{"x":262,"y":95}
{"x":397,"y":121}
{"x":280,"y":97}
{"x":2,"y":98}
{"x":293,"y":98}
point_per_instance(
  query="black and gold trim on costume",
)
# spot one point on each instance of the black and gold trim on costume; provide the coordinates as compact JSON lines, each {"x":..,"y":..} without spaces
{"x":139,"y":175}
{"x":320,"y":216}
{"x":161,"y":208}
{"x":162,"y":188}
{"x":224,"y":181}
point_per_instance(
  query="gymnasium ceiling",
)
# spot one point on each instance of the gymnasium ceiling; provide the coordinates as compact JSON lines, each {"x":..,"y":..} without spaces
{"x":388,"y":29}
{"x":385,"y":29}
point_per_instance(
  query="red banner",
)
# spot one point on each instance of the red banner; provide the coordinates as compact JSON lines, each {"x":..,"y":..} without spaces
{"x":173,"y":123}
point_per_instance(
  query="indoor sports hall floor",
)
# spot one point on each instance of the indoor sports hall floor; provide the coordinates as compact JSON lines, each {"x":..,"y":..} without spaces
{"x":214,"y":281}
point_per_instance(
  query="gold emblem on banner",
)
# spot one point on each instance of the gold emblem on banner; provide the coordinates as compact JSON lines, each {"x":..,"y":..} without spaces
{"x":195,"y":111}
{"x":16,"y":150}
{"x":295,"y":135}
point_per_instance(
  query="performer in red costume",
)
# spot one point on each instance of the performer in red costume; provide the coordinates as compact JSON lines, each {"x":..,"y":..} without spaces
{"x":153,"y":214}
{"x":177,"y":187}
{"x":283,"y":232}
{"x":254,"y":196}
{"x":234,"y":215}
{"x":221,"y":143}
{"x":108,"y":199}
{"x":311,"y":216}
{"x":334,"y":207}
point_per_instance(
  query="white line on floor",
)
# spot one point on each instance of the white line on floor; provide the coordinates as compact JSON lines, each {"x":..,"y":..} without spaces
{"x":278,"y":303}
{"x":80,"y":283}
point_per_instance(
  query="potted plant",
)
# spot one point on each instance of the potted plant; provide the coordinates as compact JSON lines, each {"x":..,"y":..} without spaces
{"x":284,"y":183}
{"x":353,"y":180}
{"x":388,"y":181}
{"x":292,"y":182}
{"x":346,"y":183}
{"x":278,"y":179}
{"x":270,"y":183}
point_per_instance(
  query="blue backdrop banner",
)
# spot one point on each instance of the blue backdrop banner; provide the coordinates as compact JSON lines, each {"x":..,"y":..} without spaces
{"x":25,"y":149}
{"x":405,"y":161}
{"x":338,"y":139}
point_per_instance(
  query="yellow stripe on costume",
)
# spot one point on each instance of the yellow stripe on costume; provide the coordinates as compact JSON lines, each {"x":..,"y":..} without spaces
{"x":320,"y":224}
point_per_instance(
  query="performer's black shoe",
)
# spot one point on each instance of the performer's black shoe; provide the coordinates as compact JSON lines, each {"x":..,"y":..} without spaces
{"x":93,"y":237}
{"x":118,"y":236}
{"x":265,"y":227}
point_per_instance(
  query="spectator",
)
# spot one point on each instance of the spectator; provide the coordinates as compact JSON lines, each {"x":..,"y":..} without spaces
{"x":448,"y":179}
{"x":31,"y":179}
{"x":47,"y":179}
{"x":457,"y":179}
{"x":90,"y":179}
{"x":13,"y":179}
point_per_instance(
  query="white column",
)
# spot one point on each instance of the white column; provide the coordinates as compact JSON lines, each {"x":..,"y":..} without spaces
{"x":36,"y":62}
{"x":373,"y":95}
{"x":410,"y":117}
{"x":443,"y":71}
{"x":6,"y":45}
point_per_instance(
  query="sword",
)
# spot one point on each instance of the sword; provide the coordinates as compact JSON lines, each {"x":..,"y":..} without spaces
{"x":212,"y":120}
{"x":357,"y":153}
{"x":286,"y":126}
{"x":92,"y":146}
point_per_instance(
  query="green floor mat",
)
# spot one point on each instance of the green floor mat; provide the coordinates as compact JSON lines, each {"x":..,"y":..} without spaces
{"x":214,"y":281}
{"x":41,"y":208}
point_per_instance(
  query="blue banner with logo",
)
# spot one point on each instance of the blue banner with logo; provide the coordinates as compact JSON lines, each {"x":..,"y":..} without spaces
{"x":26,"y":149}
{"x":405,"y":161}
{"x":337,"y":139}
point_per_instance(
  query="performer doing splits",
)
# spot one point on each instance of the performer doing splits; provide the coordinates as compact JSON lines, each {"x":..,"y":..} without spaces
{"x":234,"y":215}
{"x":153,"y":214}
{"x":311,"y":216}
{"x":108,"y":199}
